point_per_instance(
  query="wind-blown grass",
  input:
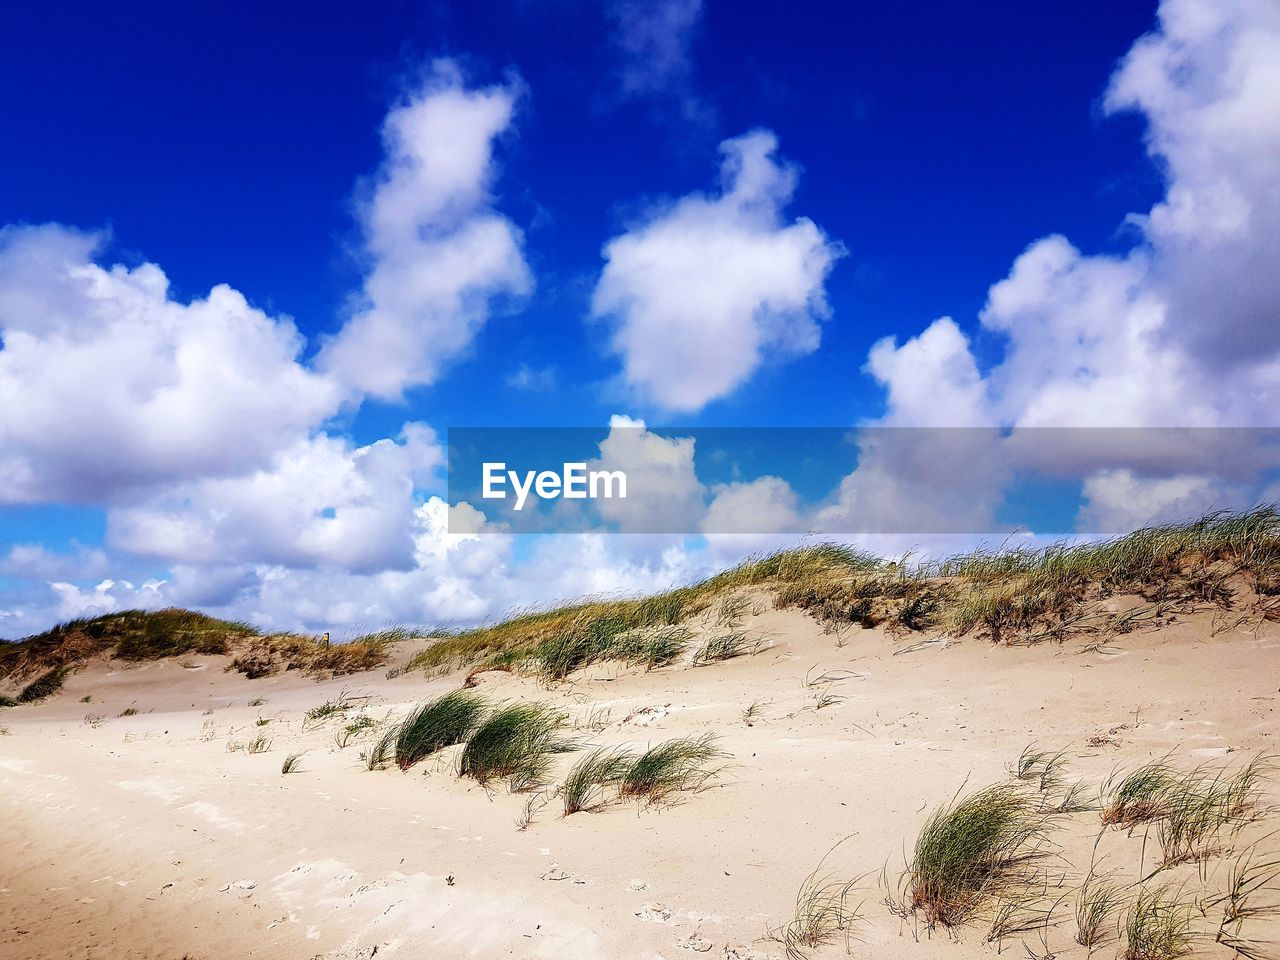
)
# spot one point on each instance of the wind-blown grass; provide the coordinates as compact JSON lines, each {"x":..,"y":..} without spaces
{"x":44,"y":686}
{"x":437,"y":724}
{"x":587,"y":783}
{"x":822,"y":913}
{"x":1097,"y":902}
{"x":973,"y":849}
{"x":382,"y":750}
{"x":292,"y":763}
{"x":1189,"y":808}
{"x":727,"y":646}
{"x":516,"y":743}
{"x":684,"y":763}
{"x":1157,"y":926}
{"x":1250,"y":895}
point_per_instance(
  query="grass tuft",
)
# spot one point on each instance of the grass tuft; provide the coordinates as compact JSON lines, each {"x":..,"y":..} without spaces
{"x":973,"y":849}
{"x":584,"y":788}
{"x":44,"y":686}
{"x":685,"y":763}
{"x":292,"y":763}
{"x":516,"y":743}
{"x":1097,"y":902}
{"x":1157,"y":927}
{"x":437,"y":724}
{"x":822,"y":913}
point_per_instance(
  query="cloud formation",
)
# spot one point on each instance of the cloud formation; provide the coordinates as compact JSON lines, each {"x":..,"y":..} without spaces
{"x":107,"y":383}
{"x":700,"y":292}
{"x":653,"y":39}
{"x":439,"y":255}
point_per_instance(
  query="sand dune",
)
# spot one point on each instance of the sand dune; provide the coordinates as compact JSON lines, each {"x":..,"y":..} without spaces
{"x":146,"y":836}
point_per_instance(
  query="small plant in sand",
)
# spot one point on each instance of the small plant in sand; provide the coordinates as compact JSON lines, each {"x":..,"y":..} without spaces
{"x":1039,"y":767}
{"x":338,"y":706}
{"x":1190,"y":808}
{"x":1157,"y":926}
{"x":129,"y":712}
{"x":11,"y":702}
{"x":257,"y":701}
{"x":980,"y":847}
{"x":381,"y":751}
{"x":1252,"y":894}
{"x":532,"y":804}
{"x":1097,"y":903}
{"x":87,"y":698}
{"x":685,"y":763}
{"x":259,"y":744}
{"x":437,"y":724}
{"x":586,"y":785}
{"x":726,"y":646}
{"x":516,"y":743}
{"x":95,"y":720}
{"x":292,"y":763}
{"x":822,"y":914}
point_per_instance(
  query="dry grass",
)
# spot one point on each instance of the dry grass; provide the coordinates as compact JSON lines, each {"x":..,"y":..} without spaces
{"x":1097,"y":903}
{"x":292,"y":763}
{"x":822,"y":915}
{"x":44,"y":686}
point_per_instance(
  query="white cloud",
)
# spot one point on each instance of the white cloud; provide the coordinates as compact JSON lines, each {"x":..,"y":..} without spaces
{"x":663,"y":491}
{"x":701,"y":292}
{"x":439,"y":254}
{"x":1182,"y":330}
{"x":107,"y":383}
{"x":320,"y":504}
{"x":653,"y":39}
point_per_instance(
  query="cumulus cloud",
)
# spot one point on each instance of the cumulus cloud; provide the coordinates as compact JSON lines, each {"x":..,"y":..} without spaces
{"x":321,"y":503}
{"x":1180,"y":331}
{"x":663,"y":490}
{"x":107,"y":382}
{"x":702,"y":291}
{"x":439,"y":255}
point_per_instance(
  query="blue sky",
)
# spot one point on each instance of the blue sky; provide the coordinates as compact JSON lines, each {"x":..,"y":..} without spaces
{"x":915,"y":158}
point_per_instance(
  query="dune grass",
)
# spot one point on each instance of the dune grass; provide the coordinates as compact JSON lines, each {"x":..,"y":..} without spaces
{"x":727,"y":646}
{"x":44,"y":686}
{"x":822,"y":914}
{"x":587,"y":783}
{"x":515,"y":743}
{"x":1189,"y":808}
{"x":974,"y":849}
{"x":6,"y":701}
{"x":437,"y":724}
{"x":292,"y":763}
{"x":259,"y":744}
{"x":685,"y":763}
{"x":1097,"y":903}
{"x":1252,"y":894}
{"x":382,"y":751}
{"x":1157,"y":926}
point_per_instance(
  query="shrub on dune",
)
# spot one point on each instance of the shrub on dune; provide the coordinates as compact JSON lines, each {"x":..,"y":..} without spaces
{"x":437,"y":724}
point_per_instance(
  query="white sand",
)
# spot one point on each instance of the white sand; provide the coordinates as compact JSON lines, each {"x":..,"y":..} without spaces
{"x":146,"y":837}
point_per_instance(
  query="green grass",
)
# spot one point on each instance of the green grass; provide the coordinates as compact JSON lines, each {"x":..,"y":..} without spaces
{"x":822,"y":914}
{"x":382,"y":751}
{"x":1097,"y":903}
{"x":437,"y":724}
{"x":1157,"y":926}
{"x":1252,"y":894}
{"x":44,"y":686}
{"x":973,"y":849}
{"x":727,"y":646}
{"x":1189,"y":808}
{"x":336,"y":707}
{"x":586,"y":785}
{"x":516,"y":743}
{"x":685,"y":763}
{"x":292,"y":763}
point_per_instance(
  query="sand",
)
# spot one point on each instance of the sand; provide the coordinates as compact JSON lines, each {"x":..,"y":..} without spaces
{"x":147,"y":837}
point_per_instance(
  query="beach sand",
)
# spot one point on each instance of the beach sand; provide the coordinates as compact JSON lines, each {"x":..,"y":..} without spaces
{"x":147,"y":837}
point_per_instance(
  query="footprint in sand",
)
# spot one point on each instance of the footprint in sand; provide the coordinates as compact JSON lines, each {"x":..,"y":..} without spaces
{"x":695,"y":942}
{"x":655,"y":913}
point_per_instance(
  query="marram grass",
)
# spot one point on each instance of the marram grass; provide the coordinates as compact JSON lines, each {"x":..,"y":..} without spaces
{"x":437,"y":724}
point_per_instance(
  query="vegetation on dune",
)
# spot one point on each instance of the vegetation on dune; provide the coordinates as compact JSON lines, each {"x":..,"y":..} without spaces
{"x":437,"y":724}
{"x":685,"y":763}
{"x":1157,"y":926}
{"x":44,"y":686}
{"x":516,"y":743}
{"x":976,"y":848}
{"x":587,"y":783}
{"x":138,"y":635}
{"x":1190,"y":809}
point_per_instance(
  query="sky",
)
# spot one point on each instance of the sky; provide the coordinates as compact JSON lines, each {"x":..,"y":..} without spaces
{"x":254,"y":267}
